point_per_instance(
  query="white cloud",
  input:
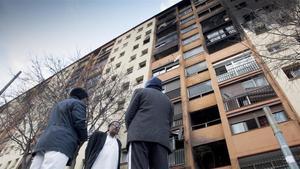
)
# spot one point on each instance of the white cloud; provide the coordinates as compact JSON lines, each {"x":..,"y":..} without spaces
{"x":167,"y":3}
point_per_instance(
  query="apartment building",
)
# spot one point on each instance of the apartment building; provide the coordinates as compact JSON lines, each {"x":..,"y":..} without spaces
{"x":215,"y":79}
{"x":266,"y":25}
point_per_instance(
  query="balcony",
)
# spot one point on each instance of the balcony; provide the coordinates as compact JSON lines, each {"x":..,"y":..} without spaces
{"x":166,"y":46}
{"x":206,"y":124}
{"x":238,"y":71}
{"x":176,"y":158}
{"x":221,"y":38}
{"x":177,"y":123}
{"x":207,"y":135}
{"x":205,"y":117}
{"x":251,"y":97}
{"x":165,"y":17}
{"x":215,"y":22}
{"x":166,"y":28}
{"x":211,"y":155}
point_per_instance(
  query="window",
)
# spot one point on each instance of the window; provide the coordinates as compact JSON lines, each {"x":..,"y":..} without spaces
{"x":195,"y":69}
{"x":190,"y":39}
{"x":238,"y":65}
{"x":147,"y":40}
{"x":115,"y":50}
{"x":193,"y":52}
{"x":259,"y":27}
{"x":125,"y":44}
{"x":135,"y":46}
{"x":241,"y":5}
{"x":107,"y":70}
{"x":144,"y":52}
{"x":112,"y":59}
{"x":140,"y":29}
{"x":275,"y":47}
{"x":7,"y":165}
{"x":142,"y":64}
{"x":125,"y":86}
{"x":200,"y":90}
{"x":165,"y":68}
{"x":138,"y":37}
{"x":139,"y":80}
{"x":118,"y":65}
{"x":255,"y":82}
{"x":280,"y":117}
{"x":128,"y":36}
{"x":189,"y":28}
{"x":217,"y":35}
{"x":177,"y":108}
{"x":114,"y":77}
{"x":203,"y":13}
{"x":254,"y":120}
{"x":263,"y":121}
{"x":122,"y":54}
{"x":148,"y":32}
{"x":132,"y":58}
{"x":171,"y":85}
{"x":244,"y":126}
{"x":298,"y":38}
{"x":129,"y":70}
{"x":220,"y":34}
{"x":119,"y":41}
{"x":185,"y":11}
{"x":292,"y":71}
{"x":239,"y":127}
{"x":121,"y":104}
{"x":149,"y":24}
{"x":183,"y":21}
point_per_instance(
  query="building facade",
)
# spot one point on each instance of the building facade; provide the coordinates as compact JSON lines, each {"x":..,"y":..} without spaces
{"x":212,"y":73}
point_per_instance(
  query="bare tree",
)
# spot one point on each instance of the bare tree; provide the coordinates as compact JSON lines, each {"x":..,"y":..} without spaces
{"x":30,"y":109}
{"x":23,"y":120}
{"x":279,"y":24}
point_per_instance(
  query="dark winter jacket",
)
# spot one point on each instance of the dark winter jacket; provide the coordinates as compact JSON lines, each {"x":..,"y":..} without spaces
{"x":94,"y":147}
{"x":149,"y":115}
{"x":66,"y":128}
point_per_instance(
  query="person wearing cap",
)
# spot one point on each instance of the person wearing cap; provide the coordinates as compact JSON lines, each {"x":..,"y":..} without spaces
{"x":65,"y":131}
{"x":104,"y":149}
{"x":148,"y":120}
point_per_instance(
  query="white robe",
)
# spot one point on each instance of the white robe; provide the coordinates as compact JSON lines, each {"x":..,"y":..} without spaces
{"x":109,"y":155}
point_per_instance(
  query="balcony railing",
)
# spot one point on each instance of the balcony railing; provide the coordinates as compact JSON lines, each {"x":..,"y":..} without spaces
{"x":177,"y":123}
{"x":176,"y":157}
{"x":239,"y":70}
{"x":251,"y":97}
{"x":206,"y":124}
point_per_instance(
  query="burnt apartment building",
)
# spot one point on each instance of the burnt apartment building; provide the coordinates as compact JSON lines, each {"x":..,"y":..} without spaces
{"x":215,"y":79}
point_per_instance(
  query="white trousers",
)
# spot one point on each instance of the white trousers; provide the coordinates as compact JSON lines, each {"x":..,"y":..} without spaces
{"x":49,"y":160}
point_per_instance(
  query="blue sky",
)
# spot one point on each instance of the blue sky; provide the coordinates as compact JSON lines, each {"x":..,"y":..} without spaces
{"x":35,"y":28}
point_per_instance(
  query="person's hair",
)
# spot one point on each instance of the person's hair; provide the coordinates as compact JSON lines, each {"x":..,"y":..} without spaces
{"x":112,"y":123}
{"x":79,"y":93}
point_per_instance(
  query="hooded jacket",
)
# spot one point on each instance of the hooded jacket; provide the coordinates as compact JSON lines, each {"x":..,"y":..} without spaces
{"x":149,"y":115}
{"x":66,"y":128}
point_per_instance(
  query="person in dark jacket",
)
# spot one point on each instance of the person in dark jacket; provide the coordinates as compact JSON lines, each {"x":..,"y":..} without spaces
{"x":65,"y":131}
{"x":148,"y":120}
{"x":104,"y":149}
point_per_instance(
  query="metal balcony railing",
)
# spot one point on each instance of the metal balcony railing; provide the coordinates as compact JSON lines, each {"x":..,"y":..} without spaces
{"x":257,"y":95}
{"x":177,"y":123}
{"x":176,"y":157}
{"x":238,"y":70}
{"x":206,"y":124}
